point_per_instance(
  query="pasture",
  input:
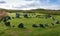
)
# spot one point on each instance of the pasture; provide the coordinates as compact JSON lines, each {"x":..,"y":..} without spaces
{"x":29,"y":30}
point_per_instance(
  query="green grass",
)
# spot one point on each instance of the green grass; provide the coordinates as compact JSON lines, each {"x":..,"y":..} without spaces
{"x":29,"y":30}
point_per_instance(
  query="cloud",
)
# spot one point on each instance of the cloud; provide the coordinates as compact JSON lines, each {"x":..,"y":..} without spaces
{"x":30,"y":4}
{"x":2,"y":2}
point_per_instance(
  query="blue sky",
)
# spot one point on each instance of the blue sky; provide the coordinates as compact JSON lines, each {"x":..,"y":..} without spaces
{"x":30,"y":4}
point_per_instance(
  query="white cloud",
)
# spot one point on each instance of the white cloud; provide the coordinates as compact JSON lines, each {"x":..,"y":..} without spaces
{"x":28,"y":4}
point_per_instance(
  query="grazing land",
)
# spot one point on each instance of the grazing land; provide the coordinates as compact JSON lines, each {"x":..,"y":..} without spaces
{"x":28,"y":30}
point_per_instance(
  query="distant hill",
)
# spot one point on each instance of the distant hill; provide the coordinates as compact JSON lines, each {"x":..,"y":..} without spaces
{"x":34,"y":11}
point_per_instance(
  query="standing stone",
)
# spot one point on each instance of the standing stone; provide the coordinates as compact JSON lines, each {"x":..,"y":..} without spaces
{"x":8,"y":17}
{"x":4,"y":19}
{"x":34,"y":25}
{"x":57,"y":22}
{"x":25,"y":16}
{"x":41,"y":25}
{"x":12,"y":17}
{"x":21,"y":25}
{"x":48,"y":16}
{"x":7,"y":23}
{"x":17,"y":15}
{"x":52,"y":24}
{"x":46,"y":25}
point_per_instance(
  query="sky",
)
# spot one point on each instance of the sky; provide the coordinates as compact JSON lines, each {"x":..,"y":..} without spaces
{"x":30,"y":4}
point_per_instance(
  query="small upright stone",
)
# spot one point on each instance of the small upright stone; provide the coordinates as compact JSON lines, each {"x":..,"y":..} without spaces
{"x":21,"y":25}
{"x":17,"y":15}
{"x":34,"y":25}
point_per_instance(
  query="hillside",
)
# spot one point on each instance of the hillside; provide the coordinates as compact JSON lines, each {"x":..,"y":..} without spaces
{"x":34,"y":11}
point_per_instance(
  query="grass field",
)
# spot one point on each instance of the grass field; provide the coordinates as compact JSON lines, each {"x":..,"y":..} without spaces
{"x":29,"y":30}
